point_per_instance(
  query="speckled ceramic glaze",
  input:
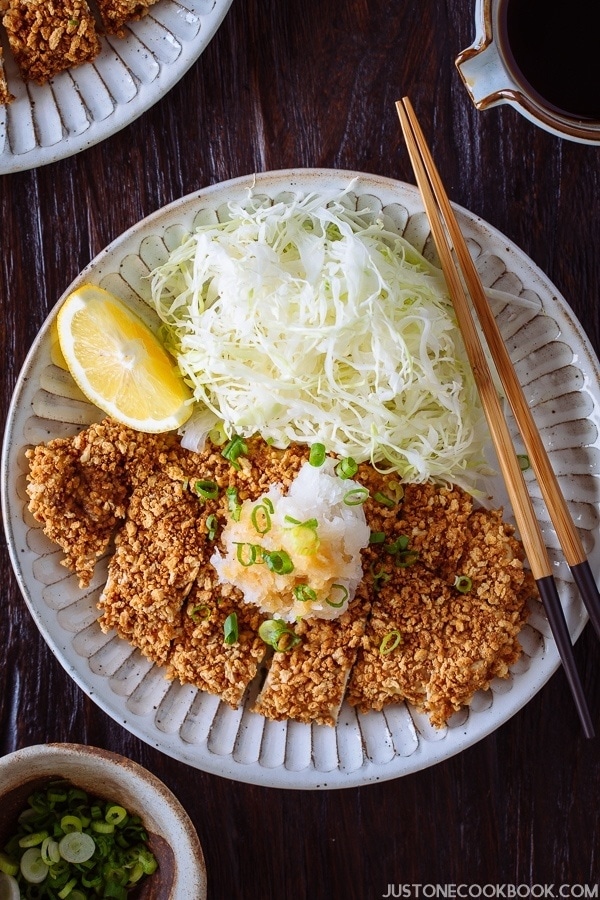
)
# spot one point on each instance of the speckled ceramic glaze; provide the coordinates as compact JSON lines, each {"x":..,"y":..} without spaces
{"x":85,"y":105}
{"x":492,"y":77}
{"x":181,"y":874}
{"x":561,"y":379}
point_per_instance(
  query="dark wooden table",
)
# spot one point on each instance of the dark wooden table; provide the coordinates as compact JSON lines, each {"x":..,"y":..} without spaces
{"x":313,"y":83}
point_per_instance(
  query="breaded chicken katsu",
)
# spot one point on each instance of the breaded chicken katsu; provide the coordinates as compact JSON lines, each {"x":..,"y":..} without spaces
{"x":219,"y":574}
{"x":48,"y":36}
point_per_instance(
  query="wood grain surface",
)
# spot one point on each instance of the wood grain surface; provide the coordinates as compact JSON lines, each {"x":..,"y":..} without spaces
{"x":304,"y":83}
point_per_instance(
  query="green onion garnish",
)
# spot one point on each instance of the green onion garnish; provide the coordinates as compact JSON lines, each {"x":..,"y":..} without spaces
{"x":261,"y":518}
{"x":233,"y":504}
{"x":303,"y":593}
{"x":278,"y":635}
{"x":356,"y":496}
{"x":208,"y":490}
{"x":463,"y":583}
{"x":377,"y":537}
{"x":345,"y":594}
{"x":389,"y":642}
{"x":212,"y":526}
{"x":247,"y":554}
{"x":199,"y":612}
{"x":398,"y":545}
{"x":230,"y":629}
{"x":346,"y":468}
{"x":236,"y":447}
{"x":278,"y":561}
{"x":524,"y":461}
{"x":317,"y":455}
{"x":406,"y":558}
{"x":379,"y":578}
{"x":384,"y":500}
{"x":91,"y":847}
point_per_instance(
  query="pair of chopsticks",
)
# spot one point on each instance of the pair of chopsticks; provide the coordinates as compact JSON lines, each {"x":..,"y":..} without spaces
{"x":463,"y":282}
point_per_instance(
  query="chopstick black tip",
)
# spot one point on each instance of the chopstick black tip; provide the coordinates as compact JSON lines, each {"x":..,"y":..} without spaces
{"x":560,"y":632}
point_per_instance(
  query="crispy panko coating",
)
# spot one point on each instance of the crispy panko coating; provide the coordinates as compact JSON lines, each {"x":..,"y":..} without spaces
{"x":450,"y":644}
{"x":5,"y":94}
{"x":117,"y":13}
{"x":164,"y":596}
{"x":308,"y":682}
{"x":48,"y":36}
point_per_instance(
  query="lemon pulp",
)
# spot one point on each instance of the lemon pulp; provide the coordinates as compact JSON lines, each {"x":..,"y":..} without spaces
{"x":119,"y":364}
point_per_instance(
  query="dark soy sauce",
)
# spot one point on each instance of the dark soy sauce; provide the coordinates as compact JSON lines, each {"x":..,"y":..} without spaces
{"x":556,"y":48}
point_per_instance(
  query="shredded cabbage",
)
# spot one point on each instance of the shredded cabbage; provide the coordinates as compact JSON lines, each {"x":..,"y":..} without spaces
{"x":306,"y":320}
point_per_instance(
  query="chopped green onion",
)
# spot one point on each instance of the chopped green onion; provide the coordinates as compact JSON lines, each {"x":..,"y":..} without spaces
{"x":33,"y":868}
{"x":261,"y":518}
{"x":382,"y":498}
{"x":199,"y":612}
{"x":8,"y":865}
{"x":115,"y":814}
{"x":317,"y":455}
{"x":212,"y":526}
{"x":278,"y":561}
{"x":32,"y":840}
{"x":230,"y":629}
{"x":208,"y":490}
{"x":77,"y":846}
{"x":247,"y":557}
{"x":234,"y":449}
{"x":233,"y":503}
{"x":356,"y":496}
{"x":463,"y":583}
{"x":345,"y":595}
{"x":278,"y":635}
{"x":406,"y":558}
{"x":102,"y":827}
{"x":389,"y":642}
{"x":379,"y":578}
{"x":303,"y":593}
{"x":524,"y":461}
{"x":346,"y":468}
{"x":266,"y":501}
{"x":377,"y":537}
{"x":50,"y":852}
{"x":71,"y":823}
{"x":401,"y":543}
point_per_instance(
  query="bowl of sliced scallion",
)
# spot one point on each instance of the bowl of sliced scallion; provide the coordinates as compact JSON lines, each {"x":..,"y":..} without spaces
{"x":80,"y":822}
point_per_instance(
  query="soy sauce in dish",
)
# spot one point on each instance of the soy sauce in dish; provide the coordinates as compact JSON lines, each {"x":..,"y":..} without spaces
{"x":555,"y":46}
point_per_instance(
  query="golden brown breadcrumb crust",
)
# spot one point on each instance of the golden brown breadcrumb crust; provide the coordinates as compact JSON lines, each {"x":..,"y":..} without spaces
{"x":117,"y":13}
{"x":163,"y":594}
{"x":49,"y":36}
{"x":5,"y":94}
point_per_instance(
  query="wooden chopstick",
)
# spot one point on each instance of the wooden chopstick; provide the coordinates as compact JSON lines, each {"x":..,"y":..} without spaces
{"x":448,"y":237}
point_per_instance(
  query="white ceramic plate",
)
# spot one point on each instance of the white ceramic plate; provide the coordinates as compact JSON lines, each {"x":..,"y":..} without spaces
{"x":561,"y":376}
{"x":87,"y":104}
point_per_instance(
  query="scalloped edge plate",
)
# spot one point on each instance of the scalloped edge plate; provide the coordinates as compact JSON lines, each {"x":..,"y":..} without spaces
{"x":84,"y":105}
{"x":561,"y":377}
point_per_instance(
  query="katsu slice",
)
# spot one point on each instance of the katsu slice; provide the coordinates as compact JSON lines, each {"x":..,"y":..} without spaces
{"x":78,"y":489}
{"x":5,"y":95}
{"x":158,"y":554}
{"x":217,"y":648}
{"x":308,"y":682}
{"x":116,"y":14}
{"x":435,"y":522}
{"x":436,"y":644}
{"x":48,"y":36}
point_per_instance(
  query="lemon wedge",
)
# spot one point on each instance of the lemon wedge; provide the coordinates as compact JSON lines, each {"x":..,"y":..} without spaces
{"x":119,"y":364}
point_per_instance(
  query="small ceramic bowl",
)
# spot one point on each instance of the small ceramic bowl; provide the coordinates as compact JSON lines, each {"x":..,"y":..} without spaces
{"x":181,"y":874}
{"x":493,"y":76}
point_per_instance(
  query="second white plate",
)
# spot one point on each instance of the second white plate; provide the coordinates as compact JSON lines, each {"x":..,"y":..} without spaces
{"x":85,"y":105}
